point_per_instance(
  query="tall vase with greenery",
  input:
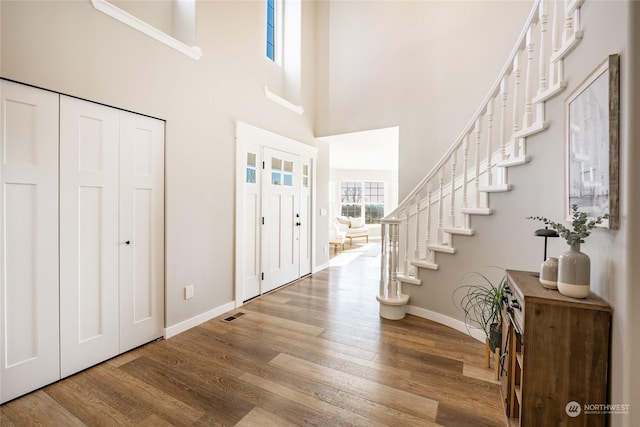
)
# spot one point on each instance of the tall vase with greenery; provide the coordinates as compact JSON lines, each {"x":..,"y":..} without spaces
{"x":574,"y":267}
{"x":481,"y":302}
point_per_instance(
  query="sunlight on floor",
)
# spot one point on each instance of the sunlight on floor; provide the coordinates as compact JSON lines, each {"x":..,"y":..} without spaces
{"x":371,"y":249}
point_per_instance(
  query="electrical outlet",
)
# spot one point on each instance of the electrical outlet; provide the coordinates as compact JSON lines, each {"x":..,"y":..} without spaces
{"x":188,"y":292}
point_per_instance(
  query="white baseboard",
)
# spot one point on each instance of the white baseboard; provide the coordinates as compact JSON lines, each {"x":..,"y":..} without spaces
{"x":196,"y":320}
{"x":320,"y":267}
{"x":447,"y":321}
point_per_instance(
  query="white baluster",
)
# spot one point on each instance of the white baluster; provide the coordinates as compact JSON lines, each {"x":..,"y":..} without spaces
{"x":526,"y":118}
{"x":478,"y":131}
{"x":516,"y":100}
{"x":568,"y":22}
{"x":489,"y":138}
{"x":452,"y":195}
{"x":556,"y":22}
{"x":428,"y":254}
{"x":440,"y":208}
{"x":416,"y":252}
{"x":503,"y":118}
{"x":543,"y":18}
{"x":465,"y":170}
{"x":406,"y":243}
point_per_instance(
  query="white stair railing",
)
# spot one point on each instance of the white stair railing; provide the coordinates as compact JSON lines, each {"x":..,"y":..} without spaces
{"x":442,"y":204}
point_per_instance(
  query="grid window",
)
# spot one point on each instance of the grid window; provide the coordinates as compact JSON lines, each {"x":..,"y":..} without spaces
{"x":271,"y":29}
{"x":362,"y":198}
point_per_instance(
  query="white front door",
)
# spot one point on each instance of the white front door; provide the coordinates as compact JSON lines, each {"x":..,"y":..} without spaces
{"x":282,"y":220}
{"x":141,"y":241}
{"x":29,"y":339}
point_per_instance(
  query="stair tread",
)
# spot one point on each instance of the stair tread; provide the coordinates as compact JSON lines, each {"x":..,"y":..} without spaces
{"x":495,"y":188}
{"x":424,"y":264}
{"x":477,"y":211}
{"x":408,"y":279}
{"x":442,"y":248}
{"x":459,"y":231}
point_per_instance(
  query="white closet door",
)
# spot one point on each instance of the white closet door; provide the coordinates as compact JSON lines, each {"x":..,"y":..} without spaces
{"x":89,"y":331}
{"x":141,"y":230}
{"x":29,"y":346}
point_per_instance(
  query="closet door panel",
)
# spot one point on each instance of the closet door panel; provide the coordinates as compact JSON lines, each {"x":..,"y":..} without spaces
{"x":89,"y":157}
{"x":142,"y":225}
{"x":29,"y":346}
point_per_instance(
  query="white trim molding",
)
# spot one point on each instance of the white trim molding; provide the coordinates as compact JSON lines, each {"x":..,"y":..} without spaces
{"x":456,"y":324}
{"x":185,"y":325}
{"x":126,"y":18}
{"x":298,"y":109}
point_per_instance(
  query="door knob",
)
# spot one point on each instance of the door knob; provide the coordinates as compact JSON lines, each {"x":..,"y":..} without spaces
{"x":297,"y":224}
{"x":128,"y":242}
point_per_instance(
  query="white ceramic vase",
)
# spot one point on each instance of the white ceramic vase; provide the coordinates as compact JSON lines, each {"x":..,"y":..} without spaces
{"x":549,"y":273}
{"x":574,"y":273}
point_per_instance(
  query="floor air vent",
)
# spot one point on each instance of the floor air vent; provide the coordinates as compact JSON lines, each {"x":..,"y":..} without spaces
{"x":233,"y":317}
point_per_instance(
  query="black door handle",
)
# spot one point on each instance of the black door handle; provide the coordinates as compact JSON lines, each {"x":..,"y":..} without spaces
{"x":127,"y":242}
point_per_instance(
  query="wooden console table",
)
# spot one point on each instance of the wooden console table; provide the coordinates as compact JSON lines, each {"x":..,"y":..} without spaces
{"x":557,"y":355}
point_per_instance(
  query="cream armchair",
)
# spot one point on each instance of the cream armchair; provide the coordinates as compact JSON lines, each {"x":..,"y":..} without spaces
{"x":352,"y":228}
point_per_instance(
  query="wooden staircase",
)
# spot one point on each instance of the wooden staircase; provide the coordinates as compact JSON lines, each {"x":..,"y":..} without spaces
{"x":441,"y":207}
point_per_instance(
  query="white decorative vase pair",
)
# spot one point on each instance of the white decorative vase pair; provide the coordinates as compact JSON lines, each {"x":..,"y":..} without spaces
{"x":570,"y":274}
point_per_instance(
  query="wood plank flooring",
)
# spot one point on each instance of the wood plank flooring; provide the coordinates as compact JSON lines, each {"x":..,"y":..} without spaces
{"x":314,"y":353}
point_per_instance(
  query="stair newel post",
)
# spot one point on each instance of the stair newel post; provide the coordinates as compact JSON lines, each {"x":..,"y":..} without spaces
{"x":543,"y":18}
{"x":394,"y":258}
{"x":439,"y":236}
{"x":516,"y":100}
{"x":452,"y":192}
{"x":529,"y":48}
{"x":489,"y":142}
{"x":392,"y":300}
{"x":416,"y":252}
{"x":478,"y":133}
{"x":384,"y":258}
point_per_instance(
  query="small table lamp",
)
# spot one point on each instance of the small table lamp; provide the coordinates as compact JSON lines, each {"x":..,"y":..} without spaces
{"x":546,"y":233}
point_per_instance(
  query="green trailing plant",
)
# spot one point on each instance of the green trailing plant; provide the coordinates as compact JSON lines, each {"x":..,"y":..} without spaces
{"x":481,"y":302}
{"x":580,"y":229}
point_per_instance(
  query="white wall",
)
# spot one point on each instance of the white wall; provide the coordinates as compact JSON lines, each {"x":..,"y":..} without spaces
{"x":70,"y":47}
{"x":421,"y":65}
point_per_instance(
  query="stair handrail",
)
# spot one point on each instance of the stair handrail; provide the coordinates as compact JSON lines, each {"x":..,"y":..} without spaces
{"x":506,"y":70}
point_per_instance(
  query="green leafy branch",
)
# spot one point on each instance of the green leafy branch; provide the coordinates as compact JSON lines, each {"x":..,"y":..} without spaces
{"x":580,"y":229}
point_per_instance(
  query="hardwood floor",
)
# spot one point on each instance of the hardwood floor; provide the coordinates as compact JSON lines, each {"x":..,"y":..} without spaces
{"x":314,"y":353}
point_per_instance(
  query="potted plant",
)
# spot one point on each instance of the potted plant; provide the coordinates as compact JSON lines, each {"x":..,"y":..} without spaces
{"x":574,"y":267}
{"x":481,"y":303}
